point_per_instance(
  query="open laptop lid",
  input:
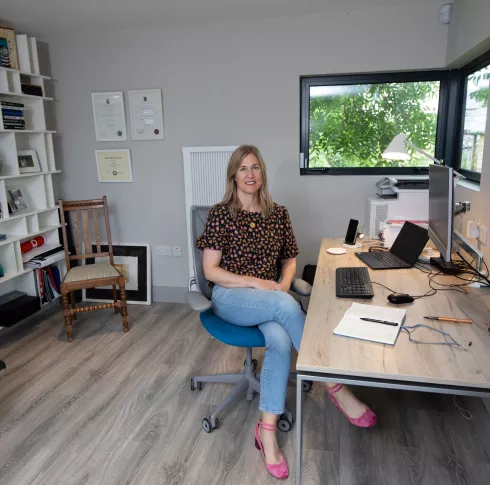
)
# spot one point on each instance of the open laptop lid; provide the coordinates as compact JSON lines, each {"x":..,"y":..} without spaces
{"x":410,"y":243}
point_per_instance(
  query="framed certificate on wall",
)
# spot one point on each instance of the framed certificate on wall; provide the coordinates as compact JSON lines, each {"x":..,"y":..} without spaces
{"x":146,"y":112}
{"x":109,"y":116}
{"x":114,"y":165}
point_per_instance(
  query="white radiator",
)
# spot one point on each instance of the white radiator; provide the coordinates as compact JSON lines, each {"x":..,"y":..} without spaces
{"x":204,"y":180}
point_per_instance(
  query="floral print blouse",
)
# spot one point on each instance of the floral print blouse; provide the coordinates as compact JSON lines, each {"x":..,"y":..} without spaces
{"x":251,"y":245}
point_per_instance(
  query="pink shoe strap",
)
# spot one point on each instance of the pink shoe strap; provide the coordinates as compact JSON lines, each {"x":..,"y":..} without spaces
{"x":335,"y":389}
{"x":267,"y":427}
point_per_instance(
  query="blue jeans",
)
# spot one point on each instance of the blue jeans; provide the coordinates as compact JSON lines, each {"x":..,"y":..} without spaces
{"x":281,"y":320}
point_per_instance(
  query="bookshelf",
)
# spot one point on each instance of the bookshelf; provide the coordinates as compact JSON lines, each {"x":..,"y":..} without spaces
{"x":41,"y":217}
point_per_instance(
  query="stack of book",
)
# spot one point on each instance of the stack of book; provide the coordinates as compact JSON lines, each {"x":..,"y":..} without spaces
{"x":13,"y":116}
{"x":48,"y":279}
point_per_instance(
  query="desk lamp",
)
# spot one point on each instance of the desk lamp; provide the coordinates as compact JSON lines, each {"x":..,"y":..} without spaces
{"x":397,"y":150}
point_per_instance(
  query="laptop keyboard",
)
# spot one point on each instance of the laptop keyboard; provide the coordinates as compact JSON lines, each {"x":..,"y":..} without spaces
{"x":388,"y":259}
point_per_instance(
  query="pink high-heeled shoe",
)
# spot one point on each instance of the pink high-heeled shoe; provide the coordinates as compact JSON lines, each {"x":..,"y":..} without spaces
{"x":367,"y":420}
{"x":277,"y":471}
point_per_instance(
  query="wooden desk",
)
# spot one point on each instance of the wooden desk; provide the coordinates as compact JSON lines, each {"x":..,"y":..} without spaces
{"x":431,"y":368}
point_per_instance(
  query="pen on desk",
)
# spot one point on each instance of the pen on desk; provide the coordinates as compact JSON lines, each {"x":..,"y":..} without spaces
{"x":384,"y":322}
{"x":449,"y":319}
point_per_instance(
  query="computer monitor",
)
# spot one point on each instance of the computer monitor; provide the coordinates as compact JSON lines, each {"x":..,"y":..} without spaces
{"x":441,"y":209}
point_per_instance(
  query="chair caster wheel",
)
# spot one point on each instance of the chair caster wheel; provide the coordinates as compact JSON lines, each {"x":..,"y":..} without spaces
{"x":306,"y":386}
{"x":206,"y":425}
{"x":284,"y":424}
{"x":193,"y":385}
{"x":254,"y":363}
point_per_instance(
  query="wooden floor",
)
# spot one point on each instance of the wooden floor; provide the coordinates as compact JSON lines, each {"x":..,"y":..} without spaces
{"x":113,"y":408}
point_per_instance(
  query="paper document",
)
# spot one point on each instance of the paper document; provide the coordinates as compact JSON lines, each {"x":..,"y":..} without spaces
{"x":351,"y":324}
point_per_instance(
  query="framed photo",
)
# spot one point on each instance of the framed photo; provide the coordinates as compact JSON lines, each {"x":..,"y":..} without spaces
{"x":133,"y":261}
{"x":28,"y":161}
{"x":114,"y":165}
{"x":109,"y":116}
{"x":146,"y":113}
{"x":16,"y":200}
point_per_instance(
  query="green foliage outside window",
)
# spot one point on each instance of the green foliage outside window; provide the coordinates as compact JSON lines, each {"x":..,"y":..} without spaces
{"x":350,"y":126}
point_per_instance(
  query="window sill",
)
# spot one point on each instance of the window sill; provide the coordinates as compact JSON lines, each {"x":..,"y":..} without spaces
{"x":468,"y":184}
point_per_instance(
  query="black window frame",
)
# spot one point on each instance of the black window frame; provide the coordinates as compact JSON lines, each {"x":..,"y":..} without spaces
{"x":458,"y":128}
{"x":446,"y":79}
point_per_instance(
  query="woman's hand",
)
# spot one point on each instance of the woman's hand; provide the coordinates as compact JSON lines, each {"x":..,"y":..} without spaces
{"x":269,"y":285}
{"x":282,"y":286}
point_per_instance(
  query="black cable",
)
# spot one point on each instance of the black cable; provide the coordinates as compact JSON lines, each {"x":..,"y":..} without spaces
{"x":474,"y":269}
{"x":389,"y":289}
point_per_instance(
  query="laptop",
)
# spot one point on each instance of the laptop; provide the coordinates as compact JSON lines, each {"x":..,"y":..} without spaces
{"x":405,"y":250}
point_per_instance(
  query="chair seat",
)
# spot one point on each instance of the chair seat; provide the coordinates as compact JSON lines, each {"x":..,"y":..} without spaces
{"x":91,"y":272}
{"x":231,"y":334}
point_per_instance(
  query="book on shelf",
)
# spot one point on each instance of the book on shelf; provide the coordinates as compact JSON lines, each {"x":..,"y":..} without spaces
{"x":31,"y":89}
{"x":11,"y":104}
{"x":14,"y":122}
{"x":41,"y":252}
{"x":43,"y":261}
{"x":14,"y":119}
{"x":13,"y":116}
{"x":13,"y":112}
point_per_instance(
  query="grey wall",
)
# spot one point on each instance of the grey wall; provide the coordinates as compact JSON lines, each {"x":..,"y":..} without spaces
{"x":469,"y":31}
{"x":223,"y":85}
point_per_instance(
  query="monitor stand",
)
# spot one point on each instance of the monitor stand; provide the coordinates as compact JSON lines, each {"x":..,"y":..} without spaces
{"x":445,"y":267}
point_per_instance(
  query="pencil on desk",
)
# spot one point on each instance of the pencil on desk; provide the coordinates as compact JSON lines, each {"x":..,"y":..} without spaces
{"x":449,"y":319}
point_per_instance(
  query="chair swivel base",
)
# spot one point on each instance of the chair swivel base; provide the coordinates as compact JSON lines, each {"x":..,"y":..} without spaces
{"x":245,"y":383}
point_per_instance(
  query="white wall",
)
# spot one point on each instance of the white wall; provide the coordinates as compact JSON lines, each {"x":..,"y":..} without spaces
{"x":223,"y":85}
{"x":469,"y":31}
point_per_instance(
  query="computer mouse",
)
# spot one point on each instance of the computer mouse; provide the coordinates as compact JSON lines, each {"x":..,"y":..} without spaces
{"x":400,"y":298}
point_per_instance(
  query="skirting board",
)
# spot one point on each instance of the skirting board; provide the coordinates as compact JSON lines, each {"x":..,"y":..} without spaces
{"x":169,"y":294}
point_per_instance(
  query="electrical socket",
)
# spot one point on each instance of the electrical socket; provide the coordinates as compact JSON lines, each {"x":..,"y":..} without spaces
{"x":176,"y":251}
{"x":472,"y":230}
{"x":482,"y":234}
{"x":163,"y":250}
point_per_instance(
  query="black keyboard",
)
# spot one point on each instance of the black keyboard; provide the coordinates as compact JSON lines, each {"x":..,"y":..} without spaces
{"x":388,"y":259}
{"x":353,"y":283}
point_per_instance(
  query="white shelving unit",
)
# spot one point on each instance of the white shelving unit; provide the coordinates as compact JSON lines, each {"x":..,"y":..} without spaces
{"x":42,"y":217}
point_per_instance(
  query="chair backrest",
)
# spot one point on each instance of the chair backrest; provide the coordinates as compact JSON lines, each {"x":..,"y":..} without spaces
{"x":83,"y":231}
{"x":199,"y":216}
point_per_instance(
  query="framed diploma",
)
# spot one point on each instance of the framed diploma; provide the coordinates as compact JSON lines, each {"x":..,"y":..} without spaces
{"x":146,"y":111}
{"x":114,"y":165}
{"x":109,"y":116}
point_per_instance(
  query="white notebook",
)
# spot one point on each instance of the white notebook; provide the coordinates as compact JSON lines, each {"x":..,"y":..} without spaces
{"x":351,"y":324}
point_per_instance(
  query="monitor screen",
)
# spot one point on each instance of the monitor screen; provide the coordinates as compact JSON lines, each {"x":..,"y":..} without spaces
{"x":441,"y":209}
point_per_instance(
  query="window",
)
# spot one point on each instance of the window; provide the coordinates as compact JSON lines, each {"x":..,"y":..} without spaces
{"x":347,"y":121}
{"x":474,"y":120}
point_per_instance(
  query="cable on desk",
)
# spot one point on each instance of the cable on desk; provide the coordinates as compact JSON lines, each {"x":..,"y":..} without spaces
{"x":411,"y":328}
{"x":481,"y":275}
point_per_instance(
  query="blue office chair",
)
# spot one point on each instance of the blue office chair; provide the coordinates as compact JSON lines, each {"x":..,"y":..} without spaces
{"x":248,"y":382}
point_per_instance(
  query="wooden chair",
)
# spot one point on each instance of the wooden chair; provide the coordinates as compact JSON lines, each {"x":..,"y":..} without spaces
{"x":89,"y":275}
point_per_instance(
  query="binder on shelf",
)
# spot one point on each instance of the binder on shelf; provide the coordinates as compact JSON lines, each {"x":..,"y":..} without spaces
{"x":47,"y":287}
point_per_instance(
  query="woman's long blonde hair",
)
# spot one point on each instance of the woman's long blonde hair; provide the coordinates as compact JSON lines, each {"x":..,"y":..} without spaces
{"x":230,"y":199}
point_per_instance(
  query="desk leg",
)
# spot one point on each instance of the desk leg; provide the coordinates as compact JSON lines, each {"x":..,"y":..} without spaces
{"x":299,"y":428}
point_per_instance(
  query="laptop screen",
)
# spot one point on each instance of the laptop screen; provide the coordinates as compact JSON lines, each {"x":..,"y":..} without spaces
{"x":410,"y":242}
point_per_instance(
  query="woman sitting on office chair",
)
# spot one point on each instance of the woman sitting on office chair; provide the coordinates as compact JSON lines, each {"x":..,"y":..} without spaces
{"x":245,"y":235}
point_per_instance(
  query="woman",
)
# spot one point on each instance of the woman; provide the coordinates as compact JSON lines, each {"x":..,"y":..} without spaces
{"x":245,"y":236}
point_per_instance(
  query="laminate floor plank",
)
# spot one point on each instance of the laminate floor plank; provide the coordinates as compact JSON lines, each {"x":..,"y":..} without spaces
{"x":116,"y":409}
